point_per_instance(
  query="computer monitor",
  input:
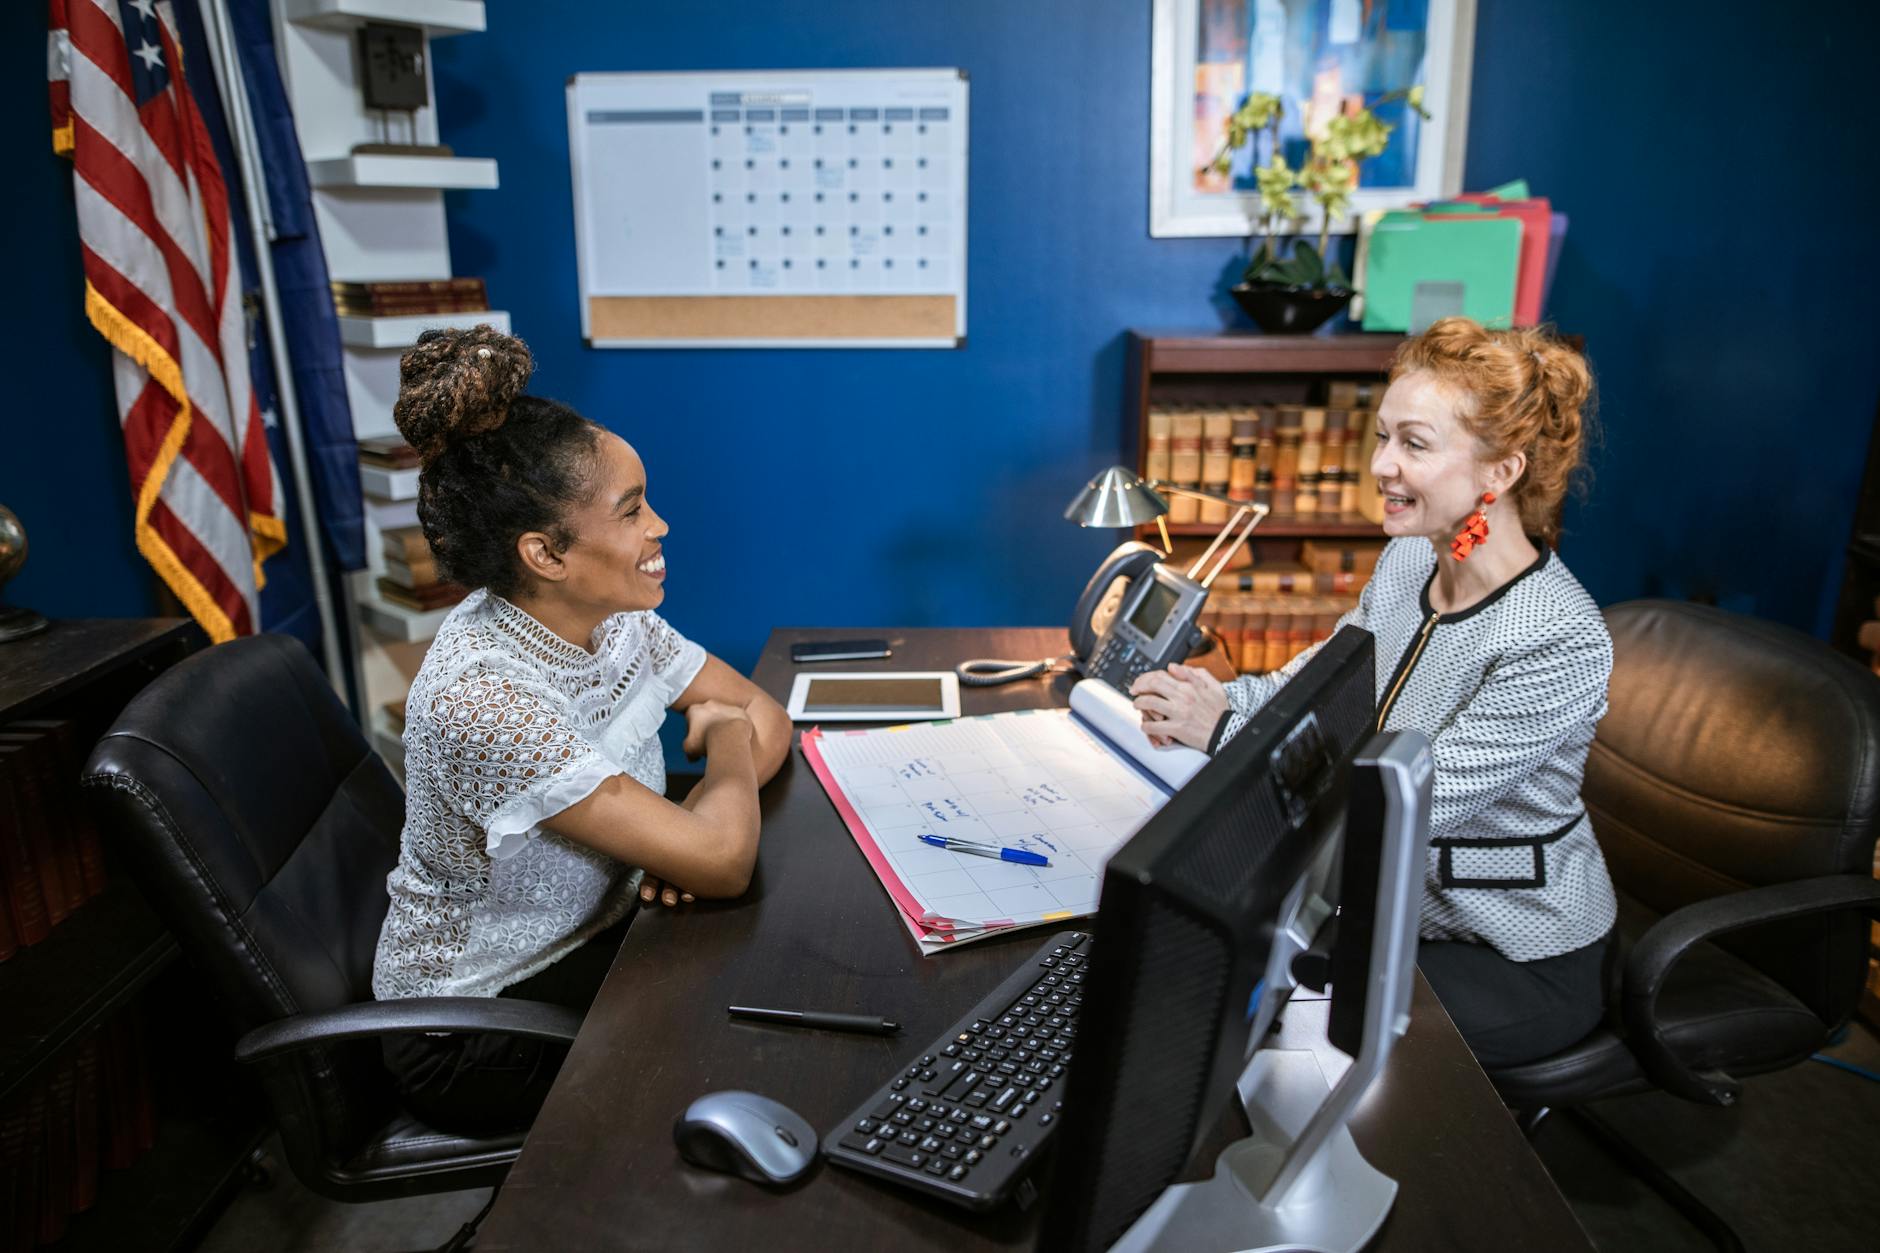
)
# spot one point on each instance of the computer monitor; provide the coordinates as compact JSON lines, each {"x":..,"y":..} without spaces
{"x":1185,"y":926}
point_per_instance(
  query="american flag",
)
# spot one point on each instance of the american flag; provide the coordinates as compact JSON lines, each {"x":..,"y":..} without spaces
{"x":163,"y":286}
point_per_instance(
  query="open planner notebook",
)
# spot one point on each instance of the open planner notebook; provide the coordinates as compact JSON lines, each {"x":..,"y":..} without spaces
{"x":1070,"y":784}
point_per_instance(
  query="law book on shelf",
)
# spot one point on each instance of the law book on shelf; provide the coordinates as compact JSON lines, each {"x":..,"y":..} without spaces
{"x":1332,"y":555}
{"x":464,"y":286}
{"x":434,"y":596}
{"x":389,"y":451}
{"x":417,"y":573}
{"x":25,"y":759}
{"x":81,"y":824}
{"x":1290,"y":581}
{"x":49,"y":750}
{"x":406,"y":543}
{"x":19,"y":868}
{"x":407,"y":307}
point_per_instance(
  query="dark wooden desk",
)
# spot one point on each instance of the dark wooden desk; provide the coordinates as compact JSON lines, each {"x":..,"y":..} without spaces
{"x":817,"y":930}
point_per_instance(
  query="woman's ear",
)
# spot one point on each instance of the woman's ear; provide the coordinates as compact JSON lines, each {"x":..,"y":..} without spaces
{"x":540,"y":557}
{"x":1505,"y":473}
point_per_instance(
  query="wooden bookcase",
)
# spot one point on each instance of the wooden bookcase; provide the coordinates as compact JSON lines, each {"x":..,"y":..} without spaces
{"x":1241,"y":370}
{"x":113,"y":950}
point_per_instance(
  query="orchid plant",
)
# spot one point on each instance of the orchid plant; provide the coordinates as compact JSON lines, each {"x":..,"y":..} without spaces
{"x":1329,"y":176}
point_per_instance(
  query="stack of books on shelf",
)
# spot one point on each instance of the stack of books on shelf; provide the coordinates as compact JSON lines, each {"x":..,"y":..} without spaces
{"x":411,"y":578}
{"x":51,"y":857}
{"x":388,"y":452}
{"x":90,"y":1110}
{"x":1267,"y":615}
{"x":1300,"y":461}
{"x":407,"y":297}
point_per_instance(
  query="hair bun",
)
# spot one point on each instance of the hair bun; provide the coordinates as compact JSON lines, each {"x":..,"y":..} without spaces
{"x":455,"y":384}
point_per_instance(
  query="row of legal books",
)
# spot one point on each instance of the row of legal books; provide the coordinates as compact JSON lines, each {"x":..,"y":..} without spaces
{"x":92,"y":1109}
{"x":1263,"y":633}
{"x":1324,"y":567}
{"x":411,"y":575}
{"x":51,"y":856}
{"x":410,"y":296}
{"x":1302,"y":460}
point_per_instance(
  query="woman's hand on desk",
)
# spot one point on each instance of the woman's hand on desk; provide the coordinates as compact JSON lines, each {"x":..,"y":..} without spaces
{"x":652,"y":889}
{"x":708,"y":719}
{"x":1180,"y":705}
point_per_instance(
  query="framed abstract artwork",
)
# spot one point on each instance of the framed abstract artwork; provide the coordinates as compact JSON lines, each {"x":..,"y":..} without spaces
{"x":1321,"y":57}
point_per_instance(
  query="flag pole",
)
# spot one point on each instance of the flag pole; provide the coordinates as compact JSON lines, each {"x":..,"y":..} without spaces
{"x":221,"y":41}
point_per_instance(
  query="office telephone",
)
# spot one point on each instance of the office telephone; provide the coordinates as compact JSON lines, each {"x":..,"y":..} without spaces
{"x":1136,"y":615}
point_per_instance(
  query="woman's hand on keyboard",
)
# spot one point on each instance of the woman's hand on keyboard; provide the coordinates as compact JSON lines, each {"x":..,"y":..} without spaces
{"x":1180,"y":705}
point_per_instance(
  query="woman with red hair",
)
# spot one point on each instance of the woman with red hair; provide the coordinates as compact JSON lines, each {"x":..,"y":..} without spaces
{"x":1499,"y":656}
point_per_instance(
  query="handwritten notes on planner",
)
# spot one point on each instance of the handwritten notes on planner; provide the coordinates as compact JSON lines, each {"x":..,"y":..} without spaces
{"x":1036,"y":780}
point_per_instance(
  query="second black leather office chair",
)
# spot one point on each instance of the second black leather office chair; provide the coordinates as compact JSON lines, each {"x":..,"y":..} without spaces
{"x":262,"y":827}
{"x":1734,"y":785}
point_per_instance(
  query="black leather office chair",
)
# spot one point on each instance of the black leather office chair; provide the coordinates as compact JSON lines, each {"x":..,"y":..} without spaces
{"x":1734,"y":786}
{"x":262,"y":827}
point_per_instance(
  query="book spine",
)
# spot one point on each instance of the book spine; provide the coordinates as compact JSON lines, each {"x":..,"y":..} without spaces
{"x":1155,"y":453}
{"x":1217,"y":430}
{"x":32,"y":918}
{"x":410,"y":287}
{"x":1185,"y":465}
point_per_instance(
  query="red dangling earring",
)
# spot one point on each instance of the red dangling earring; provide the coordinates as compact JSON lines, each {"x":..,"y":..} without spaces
{"x":1474,"y":532}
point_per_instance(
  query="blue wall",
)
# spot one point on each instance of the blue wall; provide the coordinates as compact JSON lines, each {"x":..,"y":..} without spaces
{"x":1729,"y":327}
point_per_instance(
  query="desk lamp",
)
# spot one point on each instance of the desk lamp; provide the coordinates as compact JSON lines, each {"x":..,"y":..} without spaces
{"x":1118,"y":497}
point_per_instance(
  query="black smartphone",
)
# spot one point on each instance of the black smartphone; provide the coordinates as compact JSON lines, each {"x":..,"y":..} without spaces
{"x":839,"y":650}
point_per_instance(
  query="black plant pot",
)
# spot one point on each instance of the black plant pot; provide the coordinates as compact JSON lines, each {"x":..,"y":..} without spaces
{"x":1290,"y":310}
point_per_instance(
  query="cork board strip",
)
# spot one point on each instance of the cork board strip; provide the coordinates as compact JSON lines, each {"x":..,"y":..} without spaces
{"x":771,"y":317}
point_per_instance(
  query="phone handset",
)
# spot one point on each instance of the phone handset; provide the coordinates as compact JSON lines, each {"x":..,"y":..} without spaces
{"x":1090,"y":621}
{"x":1097,"y":607}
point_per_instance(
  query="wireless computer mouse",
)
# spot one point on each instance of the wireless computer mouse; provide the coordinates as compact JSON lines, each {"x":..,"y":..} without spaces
{"x":742,"y":1133}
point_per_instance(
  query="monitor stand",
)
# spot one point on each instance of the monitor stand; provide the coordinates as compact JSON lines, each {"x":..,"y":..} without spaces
{"x":1298,"y":1183}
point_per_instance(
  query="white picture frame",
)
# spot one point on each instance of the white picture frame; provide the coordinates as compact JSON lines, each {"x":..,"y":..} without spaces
{"x":1177,"y":209}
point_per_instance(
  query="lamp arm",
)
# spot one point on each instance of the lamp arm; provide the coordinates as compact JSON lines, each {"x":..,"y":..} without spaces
{"x":1163,"y":485}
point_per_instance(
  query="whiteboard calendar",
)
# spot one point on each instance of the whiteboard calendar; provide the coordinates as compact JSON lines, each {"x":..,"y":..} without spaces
{"x":771,"y":209}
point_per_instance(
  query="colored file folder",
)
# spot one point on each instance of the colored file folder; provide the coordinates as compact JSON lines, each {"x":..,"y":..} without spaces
{"x":1535,"y":216}
{"x":1423,"y":266}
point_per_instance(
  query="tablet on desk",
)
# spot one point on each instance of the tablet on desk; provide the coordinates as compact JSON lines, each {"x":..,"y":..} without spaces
{"x":915,"y":696}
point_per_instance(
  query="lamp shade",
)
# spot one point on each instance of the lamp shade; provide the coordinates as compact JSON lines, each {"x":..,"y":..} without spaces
{"x":1117,"y":497}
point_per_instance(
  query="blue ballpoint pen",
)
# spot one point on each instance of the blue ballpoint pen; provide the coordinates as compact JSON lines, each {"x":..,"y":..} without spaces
{"x":1018,"y":855}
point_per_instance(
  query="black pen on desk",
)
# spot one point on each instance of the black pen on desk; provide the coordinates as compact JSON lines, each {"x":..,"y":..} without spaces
{"x":812,"y":1018}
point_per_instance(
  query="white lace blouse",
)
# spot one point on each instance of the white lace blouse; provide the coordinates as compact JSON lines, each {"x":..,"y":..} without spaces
{"x":507,"y":724}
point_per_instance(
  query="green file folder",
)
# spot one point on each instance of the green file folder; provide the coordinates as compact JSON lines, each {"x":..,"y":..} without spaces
{"x":1421,"y":267}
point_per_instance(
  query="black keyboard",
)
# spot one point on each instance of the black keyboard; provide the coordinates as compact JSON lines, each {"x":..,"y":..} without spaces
{"x":968,"y":1114}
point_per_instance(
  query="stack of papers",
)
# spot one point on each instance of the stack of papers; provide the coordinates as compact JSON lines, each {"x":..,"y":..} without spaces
{"x":1068,"y":784}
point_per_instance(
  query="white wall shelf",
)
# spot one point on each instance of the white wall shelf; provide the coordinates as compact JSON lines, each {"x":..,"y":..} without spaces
{"x":389,"y":743}
{"x":398,"y":622}
{"x":403,"y":331}
{"x":438,"y":17}
{"x":388,"y":484}
{"x":423,"y":173}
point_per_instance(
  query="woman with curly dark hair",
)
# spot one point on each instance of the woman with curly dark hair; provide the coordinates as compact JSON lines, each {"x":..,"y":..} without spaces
{"x":536,"y":809}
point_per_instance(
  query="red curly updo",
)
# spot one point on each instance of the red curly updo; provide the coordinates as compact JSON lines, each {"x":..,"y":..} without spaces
{"x":1517,"y":391}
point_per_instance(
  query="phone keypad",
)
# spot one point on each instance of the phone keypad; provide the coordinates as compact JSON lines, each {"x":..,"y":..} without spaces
{"x":1119,"y":662}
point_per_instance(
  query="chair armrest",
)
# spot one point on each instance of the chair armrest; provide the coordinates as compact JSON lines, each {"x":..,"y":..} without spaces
{"x":409,"y":1016}
{"x":1650,"y":961}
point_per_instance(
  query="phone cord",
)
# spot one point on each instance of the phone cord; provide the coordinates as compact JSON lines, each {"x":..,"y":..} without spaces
{"x":992,"y":671}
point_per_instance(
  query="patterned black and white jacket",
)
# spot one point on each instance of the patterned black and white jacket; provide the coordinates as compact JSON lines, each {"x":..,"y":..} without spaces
{"x":1508,"y":690}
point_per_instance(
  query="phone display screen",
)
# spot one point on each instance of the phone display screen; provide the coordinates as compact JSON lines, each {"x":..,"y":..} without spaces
{"x":1152,"y":611}
{"x":861,"y":695}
